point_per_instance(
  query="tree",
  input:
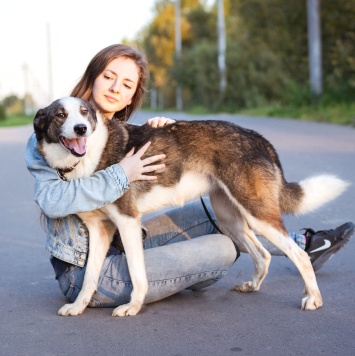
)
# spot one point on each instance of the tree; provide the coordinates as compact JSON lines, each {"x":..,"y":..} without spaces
{"x":15,"y":105}
{"x":158,"y":41}
{"x":2,"y":112}
{"x":338,"y":44}
{"x":266,"y":56}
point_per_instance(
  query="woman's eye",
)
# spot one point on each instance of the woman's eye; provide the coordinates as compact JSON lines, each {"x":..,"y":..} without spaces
{"x":107,"y":77}
{"x":127,"y":86}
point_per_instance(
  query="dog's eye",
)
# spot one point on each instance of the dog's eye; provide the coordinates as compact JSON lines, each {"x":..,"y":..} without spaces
{"x":84,"y":111}
{"x":61,"y":115}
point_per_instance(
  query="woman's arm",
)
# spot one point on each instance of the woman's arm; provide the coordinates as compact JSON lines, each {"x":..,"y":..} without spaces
{"x":58,"y":198}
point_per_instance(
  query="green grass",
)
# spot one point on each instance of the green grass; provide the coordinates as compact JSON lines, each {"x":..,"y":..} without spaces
{"x":337,"y":113}
{"x":16,"y":120}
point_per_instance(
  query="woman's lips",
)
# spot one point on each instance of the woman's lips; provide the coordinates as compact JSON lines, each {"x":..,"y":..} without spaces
{"x":111,"y":99}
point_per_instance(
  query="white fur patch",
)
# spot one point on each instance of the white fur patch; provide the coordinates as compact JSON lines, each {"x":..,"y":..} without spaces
{"x":72,"y":106}
{"x":319,"y":190}
{"x":57,"y":155}
{"x":60,"y":157}
{"x":189,"y":187}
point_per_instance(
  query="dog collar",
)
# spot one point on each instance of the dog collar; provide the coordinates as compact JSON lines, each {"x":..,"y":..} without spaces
{"x":62,"y":172}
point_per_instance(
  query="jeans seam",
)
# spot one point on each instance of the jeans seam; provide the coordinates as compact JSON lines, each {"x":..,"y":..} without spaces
{"x":167,"y":279}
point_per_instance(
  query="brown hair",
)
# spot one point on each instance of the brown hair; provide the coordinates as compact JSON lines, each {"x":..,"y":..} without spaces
{"x":98,"y":64}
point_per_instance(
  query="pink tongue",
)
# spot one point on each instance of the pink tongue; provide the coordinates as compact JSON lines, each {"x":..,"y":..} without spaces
{"x":78,"y":145}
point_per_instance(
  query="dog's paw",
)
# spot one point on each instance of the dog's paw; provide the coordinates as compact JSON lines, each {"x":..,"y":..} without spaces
{"x":246,"y":287}
{"x":311,"y":303}
{"x":127,"y":309}
{"x":70,"y":310}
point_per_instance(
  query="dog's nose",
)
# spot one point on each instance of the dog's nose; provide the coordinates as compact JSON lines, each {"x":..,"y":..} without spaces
{"x":80,"y":129}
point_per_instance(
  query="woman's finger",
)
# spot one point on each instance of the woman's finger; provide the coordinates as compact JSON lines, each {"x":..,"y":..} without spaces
{"x":153,"y":159}
{"x":160,"y":121}
{"x":130,"y":153}
{"x":144,"y":177}
{"x":153,"y":168}
{"x":143,"y":149}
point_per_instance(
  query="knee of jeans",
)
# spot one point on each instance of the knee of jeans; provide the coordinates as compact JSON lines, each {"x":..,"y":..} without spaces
{"x":226,"y":249}
{"x":214,"y":278}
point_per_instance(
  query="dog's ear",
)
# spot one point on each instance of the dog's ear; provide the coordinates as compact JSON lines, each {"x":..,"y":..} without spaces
{"x":39,"y":123}
{"x":93,"y":111}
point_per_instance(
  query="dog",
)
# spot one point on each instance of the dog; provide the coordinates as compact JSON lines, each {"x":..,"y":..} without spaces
{"x":237,"y":167}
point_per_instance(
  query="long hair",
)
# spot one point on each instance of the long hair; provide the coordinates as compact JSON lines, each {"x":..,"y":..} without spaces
{"x":98,"y":64}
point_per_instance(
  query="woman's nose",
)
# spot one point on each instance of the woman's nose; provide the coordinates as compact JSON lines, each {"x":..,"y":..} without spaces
{"x":115,"y":87}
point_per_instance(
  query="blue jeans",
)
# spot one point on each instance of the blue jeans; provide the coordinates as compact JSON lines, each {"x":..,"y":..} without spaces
{"x":181,"y":250}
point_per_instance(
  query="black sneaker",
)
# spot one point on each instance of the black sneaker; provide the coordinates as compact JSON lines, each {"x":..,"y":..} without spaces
{"x":322,"y":245}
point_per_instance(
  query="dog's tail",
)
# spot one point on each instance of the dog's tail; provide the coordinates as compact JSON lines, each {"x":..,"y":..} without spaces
{"x":310,"y":193}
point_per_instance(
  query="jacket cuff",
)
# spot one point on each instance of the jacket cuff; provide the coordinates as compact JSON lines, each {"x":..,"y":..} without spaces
{"x":119,"y":177}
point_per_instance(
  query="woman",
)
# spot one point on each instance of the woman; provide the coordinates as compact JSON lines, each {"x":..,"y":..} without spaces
{"x":182,"y":249}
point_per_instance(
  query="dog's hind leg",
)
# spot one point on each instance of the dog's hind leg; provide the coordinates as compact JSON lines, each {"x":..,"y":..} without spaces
{"x":312,"y":299}
{"x":100,"y":236}
{"x":261,"y":258}
{"x":234,"y":225}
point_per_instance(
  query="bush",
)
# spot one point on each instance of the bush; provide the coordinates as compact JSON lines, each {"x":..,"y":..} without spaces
{"x":255,"y":77}
{"x":2,"y":113}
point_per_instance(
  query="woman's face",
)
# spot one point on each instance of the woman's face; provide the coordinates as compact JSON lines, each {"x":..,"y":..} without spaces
{"x":115,"y":87}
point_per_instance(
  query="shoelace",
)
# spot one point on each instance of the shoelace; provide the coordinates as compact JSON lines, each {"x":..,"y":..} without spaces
{"x":310,"y":232}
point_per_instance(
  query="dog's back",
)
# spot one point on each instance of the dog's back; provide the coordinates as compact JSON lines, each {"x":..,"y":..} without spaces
{"x":212,"y":154}
{"x":221,"y":155}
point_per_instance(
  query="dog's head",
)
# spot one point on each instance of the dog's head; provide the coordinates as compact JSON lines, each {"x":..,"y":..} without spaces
{"x":65,"y":125}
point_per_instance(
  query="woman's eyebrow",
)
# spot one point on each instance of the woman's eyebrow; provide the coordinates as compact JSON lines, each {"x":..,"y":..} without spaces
{"x":114,"y":73}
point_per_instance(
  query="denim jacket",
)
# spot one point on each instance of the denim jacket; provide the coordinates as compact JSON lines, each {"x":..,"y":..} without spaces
{"x":67,"y":236}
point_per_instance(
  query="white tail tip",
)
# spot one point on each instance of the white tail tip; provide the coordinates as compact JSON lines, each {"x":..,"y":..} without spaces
{"x":319,"y":190}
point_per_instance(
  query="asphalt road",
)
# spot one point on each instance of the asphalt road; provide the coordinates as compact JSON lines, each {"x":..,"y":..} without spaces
{"x":217,"y":321}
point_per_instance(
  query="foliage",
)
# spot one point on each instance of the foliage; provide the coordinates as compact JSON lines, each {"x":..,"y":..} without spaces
{"x":198,"y":75}
{"x":13,"y":105}
{"x":338,"y":112}
{"x":266,"y":57}
{"x":2,"y":112}
{"x":338,"y":44}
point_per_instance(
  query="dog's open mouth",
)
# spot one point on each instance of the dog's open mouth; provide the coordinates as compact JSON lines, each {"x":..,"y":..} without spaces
{"x":77,"y":146}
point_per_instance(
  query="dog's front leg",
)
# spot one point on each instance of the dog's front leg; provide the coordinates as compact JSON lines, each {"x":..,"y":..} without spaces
{"x":131,"y":235}
{"x":99,"y":241}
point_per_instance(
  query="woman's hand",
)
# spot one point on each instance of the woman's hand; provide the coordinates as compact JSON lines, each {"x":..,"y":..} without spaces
{"x":135,"y":167}
{"x":159,"y":121}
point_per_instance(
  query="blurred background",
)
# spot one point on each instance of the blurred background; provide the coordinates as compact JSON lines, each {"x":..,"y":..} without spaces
{"x":262,"y":57}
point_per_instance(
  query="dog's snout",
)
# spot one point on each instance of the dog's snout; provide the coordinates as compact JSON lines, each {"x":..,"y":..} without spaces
{"x":80,"y":129}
